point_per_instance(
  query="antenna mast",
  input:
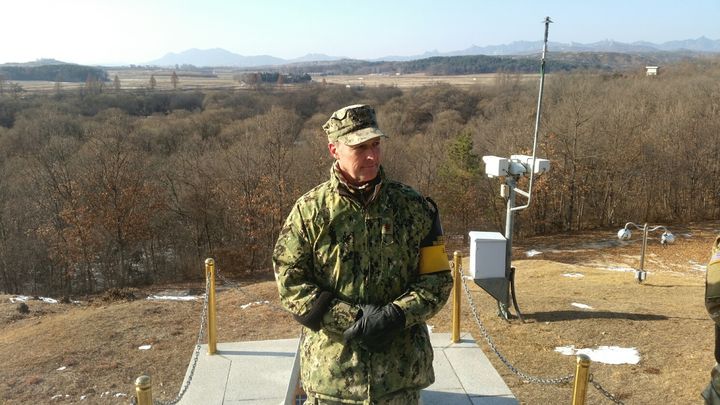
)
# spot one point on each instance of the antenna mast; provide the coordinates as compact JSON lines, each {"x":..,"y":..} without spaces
{"x":512,"y":169}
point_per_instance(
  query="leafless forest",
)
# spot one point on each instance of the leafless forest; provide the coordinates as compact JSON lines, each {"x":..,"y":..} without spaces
{"x":103,"y":188}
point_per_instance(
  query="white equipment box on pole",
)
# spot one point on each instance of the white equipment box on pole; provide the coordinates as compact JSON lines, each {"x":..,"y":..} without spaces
{"x":487,"y":263}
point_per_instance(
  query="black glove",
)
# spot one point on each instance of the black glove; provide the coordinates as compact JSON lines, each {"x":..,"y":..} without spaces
{"x":377,"y":326}
{"x":312,"y":319}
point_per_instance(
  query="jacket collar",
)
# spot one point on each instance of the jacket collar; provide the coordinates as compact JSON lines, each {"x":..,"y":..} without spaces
{"x":364,"y":194}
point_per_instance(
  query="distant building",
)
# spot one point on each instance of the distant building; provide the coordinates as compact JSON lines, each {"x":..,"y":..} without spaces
{"x":652,"y":70}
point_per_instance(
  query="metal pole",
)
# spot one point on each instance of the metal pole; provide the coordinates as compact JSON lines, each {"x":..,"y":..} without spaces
{"x":644,"y":245}
{"x":509,"y":224}
{"x":457,"y":273}
{"x":212,"y":324}
{"x":547,"y":22}
{"x":143,"y":390}
{"x":582,"y":376}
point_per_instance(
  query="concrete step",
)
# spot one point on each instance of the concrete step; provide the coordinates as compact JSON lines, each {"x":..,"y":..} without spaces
{"x":263,"y":372}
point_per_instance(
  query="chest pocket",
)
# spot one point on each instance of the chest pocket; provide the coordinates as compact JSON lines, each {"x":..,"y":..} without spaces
{"x":389,"y":273}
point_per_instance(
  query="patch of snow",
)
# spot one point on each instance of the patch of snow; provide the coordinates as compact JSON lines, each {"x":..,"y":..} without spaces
{"x":145,"y":347}
{"x":622,"y":269}
{"x":589,"y":246}
{"x":697,"y":266}
{"x":566,"y":350}
{"x":174,"y":298}
{"x":533,"y":252}
{"x":687,"y":235}
{"x":25,"y":298}
{"x":573,"y":275}
{"x":244,"y":306}
{"x":61,"y":368}
{"x":59,"y":396}
{"x":430,"y":328}
{"x":604,"y":354}
{"x":82,"y":397}
{"x":581,"y":306}
{"x":120,"y":395}
{"x":569,"y":250}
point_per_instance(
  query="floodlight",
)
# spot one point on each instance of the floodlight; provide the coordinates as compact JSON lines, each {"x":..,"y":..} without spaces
{"x":624,"y":234}
{"x":667,"y":238}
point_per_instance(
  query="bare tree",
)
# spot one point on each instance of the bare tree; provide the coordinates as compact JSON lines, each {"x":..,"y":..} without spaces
{"x":174,"y":80}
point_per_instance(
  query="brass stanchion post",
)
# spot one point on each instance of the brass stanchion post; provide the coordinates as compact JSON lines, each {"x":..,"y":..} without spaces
{"x":143,"y":390}
{"x":457,"y":273}
{"x":212,"y":325}
{"x":582,"y":376}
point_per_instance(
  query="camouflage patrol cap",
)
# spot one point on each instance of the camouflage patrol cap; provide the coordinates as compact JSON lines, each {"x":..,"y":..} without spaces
{"x":353,"y":125}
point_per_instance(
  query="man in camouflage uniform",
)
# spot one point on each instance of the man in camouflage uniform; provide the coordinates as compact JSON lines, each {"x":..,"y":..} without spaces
{"x":712,"y":304}
{"x":361,"y":264}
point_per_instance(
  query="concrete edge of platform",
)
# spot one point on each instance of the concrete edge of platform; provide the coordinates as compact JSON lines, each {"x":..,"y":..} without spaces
{"x":464,"y":375}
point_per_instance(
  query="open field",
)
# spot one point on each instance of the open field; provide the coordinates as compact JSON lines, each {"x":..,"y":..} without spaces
{"x":90,"y":349}
{"x":419,"y":79}
{"x":131,"y":79}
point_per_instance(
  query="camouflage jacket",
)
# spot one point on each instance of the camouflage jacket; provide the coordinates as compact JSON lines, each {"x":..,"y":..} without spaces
{"x":712,"y":284}
{"x":362,"y":254}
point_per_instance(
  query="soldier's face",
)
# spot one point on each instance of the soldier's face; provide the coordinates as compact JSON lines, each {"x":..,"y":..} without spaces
{"x":359,"y":163}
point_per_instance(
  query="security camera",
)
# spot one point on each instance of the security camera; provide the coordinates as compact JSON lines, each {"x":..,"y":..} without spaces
{"x":530,"y":164}
{"x":495,"y":166}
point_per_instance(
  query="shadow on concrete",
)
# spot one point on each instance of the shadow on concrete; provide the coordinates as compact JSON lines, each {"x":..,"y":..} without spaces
{"x":254,"y":353}
{"x":558,"y":316}
{"x":454,"y":398}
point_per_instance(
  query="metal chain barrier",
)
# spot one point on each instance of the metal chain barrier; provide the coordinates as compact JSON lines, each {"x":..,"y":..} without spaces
{"x":196,"y":354}
{"x":603,"y":391}
{"x":525,"y":377}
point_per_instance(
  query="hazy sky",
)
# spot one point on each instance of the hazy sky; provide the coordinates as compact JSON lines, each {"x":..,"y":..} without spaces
{"x":138,"y":31}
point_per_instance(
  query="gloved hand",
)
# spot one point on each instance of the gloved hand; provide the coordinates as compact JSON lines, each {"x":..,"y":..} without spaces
{"x":377,"y":326}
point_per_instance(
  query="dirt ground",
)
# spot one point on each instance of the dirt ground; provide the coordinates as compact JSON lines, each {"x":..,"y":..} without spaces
{"x":87,"y":352}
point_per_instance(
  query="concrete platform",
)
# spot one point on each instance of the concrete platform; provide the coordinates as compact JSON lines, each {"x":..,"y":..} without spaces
{"x":262,"y":372}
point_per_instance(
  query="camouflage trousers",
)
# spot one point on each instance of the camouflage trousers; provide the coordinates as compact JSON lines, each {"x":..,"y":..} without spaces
{"x":411,"y":397}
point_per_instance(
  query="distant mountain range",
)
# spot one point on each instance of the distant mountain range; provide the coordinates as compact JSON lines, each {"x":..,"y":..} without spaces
{"x":222,"y":57}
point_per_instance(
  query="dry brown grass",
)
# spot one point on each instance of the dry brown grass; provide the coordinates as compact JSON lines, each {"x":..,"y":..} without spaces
{"x":664,"y":318}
